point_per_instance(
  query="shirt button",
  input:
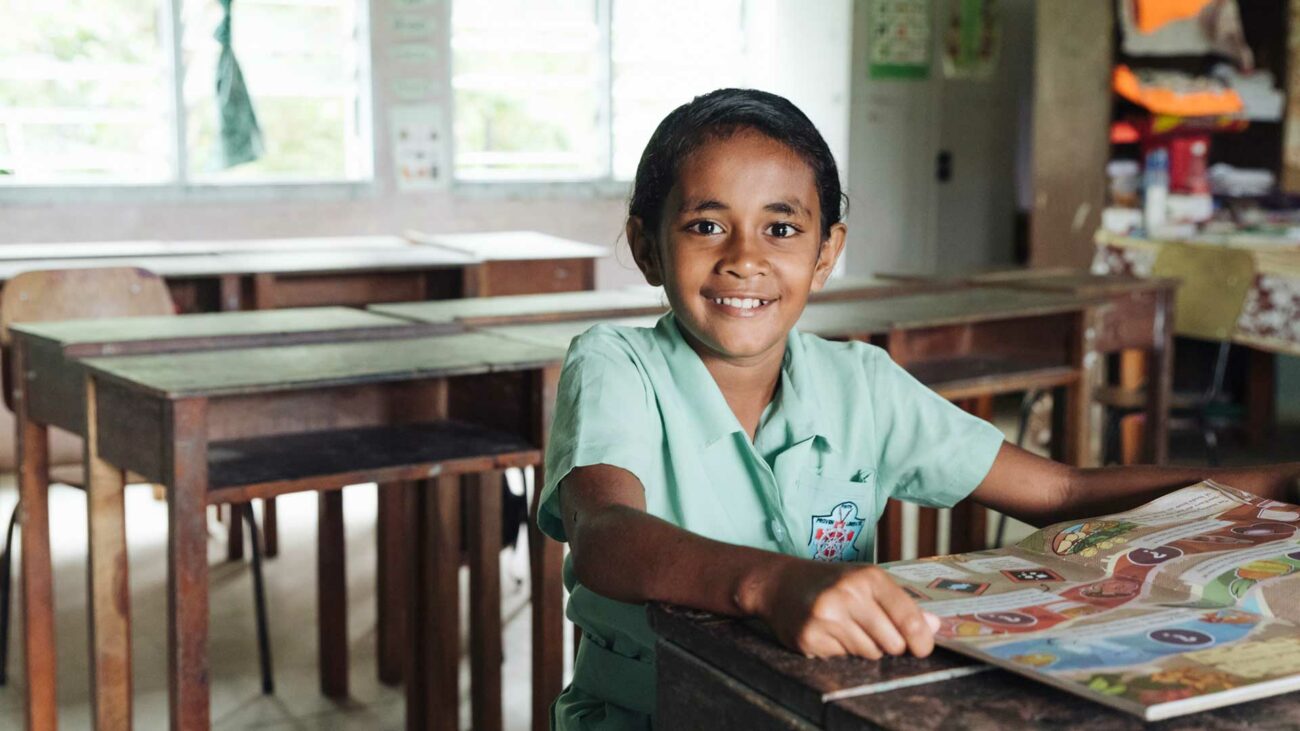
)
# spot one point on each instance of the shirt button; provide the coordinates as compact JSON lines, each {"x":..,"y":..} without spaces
{"x":778,"y":530}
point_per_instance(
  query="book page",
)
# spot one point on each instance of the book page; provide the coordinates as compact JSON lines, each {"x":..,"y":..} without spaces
{"x":1208,"y":544}
{"x":1180,"y":605}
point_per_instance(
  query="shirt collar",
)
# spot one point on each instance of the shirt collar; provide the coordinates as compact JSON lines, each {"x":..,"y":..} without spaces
{"x":800,"y":401}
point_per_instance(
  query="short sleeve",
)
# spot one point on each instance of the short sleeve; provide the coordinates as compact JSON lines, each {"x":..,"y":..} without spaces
{"x":931,"y":452}
{"x":604,"y":414}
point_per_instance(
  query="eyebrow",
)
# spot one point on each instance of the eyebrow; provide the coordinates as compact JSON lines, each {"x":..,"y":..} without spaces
{"x":789,"y":207}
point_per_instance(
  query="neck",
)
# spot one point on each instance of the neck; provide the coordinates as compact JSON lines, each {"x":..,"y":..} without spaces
{"x":747,"y":384}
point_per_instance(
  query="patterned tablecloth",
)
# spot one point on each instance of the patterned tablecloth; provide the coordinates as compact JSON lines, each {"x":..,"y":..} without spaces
{"x":1242,"y":288}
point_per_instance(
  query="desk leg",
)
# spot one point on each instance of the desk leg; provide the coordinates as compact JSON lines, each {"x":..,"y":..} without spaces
{"x":1160,"y":379}
{"x":187,"y":563}
{"x":546,"y":569}
{"x":889,"y":533}
{"x":110,"y":591}
{"x":483,"y":492}
{"x":433,"y":604}
{"x":33,"y":451}
{"x":1261,"y":395}
{"x":331,"y":595}
{"x":390,"y":580}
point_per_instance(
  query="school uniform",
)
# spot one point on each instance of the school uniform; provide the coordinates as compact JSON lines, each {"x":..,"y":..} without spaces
{"x":847,"y":430}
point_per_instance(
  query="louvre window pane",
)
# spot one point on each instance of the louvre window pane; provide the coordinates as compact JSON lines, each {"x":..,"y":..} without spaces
{"x":528,"y":90}
{"x":84,"y":93}
{"x":301,"y":62}
{"x":660,"y":63}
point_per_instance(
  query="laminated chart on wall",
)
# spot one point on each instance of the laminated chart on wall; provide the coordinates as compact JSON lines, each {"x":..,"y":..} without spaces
{"x":899,"y":47}
{"x":419,"y":145}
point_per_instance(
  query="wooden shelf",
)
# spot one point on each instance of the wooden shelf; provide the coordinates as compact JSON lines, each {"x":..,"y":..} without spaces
{"x":967,"y":377}
{"x":240,"y":469}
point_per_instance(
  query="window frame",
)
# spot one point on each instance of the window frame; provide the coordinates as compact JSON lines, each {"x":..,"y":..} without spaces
{"x":180,"y":188}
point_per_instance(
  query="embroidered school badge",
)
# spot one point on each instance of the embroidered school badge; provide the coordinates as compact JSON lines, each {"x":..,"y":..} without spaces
{"x":832,"y":535}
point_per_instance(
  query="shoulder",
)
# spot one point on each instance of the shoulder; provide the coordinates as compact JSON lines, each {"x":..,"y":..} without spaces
{"x":611,"y":344}
{"x":850,"y":357}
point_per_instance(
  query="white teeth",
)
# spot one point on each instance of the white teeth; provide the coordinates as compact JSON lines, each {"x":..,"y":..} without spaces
{"x":740,"y":303}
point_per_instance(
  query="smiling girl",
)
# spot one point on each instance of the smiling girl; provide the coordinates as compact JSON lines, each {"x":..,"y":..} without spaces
{"x":725,"y":461}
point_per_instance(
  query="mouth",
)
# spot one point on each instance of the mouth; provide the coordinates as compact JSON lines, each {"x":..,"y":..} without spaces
{"x":741,"y":305}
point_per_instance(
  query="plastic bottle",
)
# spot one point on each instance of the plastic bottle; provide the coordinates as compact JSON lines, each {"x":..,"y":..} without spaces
{"x":1156,"y":189}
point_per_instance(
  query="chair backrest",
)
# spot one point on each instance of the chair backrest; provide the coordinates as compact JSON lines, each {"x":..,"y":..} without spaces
{"x":74,"y":294}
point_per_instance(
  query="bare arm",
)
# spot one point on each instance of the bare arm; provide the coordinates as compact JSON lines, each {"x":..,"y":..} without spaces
{"x":1040,"y":491}
{"x":622,"y":552}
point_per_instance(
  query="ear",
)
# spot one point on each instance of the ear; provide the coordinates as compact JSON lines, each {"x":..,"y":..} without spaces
{"x":827,"y":255}
{"x":645,"y":251}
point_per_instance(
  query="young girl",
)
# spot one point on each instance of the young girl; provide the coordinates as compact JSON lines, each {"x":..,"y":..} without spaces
{"x":688,"y":462}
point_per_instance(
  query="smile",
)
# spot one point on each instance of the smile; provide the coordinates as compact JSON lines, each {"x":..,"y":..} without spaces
{"x":740,"y":303}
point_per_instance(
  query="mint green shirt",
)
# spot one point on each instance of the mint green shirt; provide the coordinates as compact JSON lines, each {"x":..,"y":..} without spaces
{"x":847,"y":430}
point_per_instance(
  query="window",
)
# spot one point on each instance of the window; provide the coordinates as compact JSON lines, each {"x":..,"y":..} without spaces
{"x":572,"y":89}
{"x":107,"y":92}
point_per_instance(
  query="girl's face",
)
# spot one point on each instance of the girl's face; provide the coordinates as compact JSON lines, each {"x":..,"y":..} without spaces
{"x":739,"y":246}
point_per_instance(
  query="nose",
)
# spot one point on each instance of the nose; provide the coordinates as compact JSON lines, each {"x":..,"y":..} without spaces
{"x":743,"y":256}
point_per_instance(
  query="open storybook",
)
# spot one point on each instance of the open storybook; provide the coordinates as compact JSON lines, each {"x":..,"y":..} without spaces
{"x":1187,"y":603}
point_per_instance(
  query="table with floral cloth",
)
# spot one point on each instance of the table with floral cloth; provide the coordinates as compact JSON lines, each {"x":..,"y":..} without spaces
{"x":1244,"y":288}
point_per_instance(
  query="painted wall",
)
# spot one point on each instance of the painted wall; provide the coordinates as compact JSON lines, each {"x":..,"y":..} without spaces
{"x":901,"y":217}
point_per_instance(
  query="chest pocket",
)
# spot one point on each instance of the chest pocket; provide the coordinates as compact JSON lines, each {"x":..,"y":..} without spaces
{"x":841,"y":514}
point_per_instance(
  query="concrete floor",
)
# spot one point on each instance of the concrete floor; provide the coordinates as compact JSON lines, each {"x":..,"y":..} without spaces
{"x":237,"y":702}
{"x":290,"y":578}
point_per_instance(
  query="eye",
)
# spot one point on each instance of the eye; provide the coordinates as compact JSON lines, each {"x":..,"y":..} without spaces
{"x":782,"y":230}
{"x":704,"y":228}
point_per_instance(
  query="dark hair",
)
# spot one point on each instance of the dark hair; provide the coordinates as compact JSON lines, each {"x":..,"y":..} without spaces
{"x":718,"y":115}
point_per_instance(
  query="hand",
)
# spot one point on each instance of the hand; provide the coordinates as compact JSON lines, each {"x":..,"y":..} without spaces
{"x":829,"y":609}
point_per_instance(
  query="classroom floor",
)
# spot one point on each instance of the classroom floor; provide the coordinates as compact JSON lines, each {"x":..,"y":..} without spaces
{"x":237,"y":702}
{"x":290,"y":578}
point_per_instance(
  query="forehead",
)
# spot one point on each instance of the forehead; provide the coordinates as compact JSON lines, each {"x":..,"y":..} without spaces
{"x":745,"y":167}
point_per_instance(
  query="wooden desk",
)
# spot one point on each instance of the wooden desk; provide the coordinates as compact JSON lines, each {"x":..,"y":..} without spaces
{"x":528,"y":308}
{"x":512,"y":261}
{"x":52,"y":393}
{"x":1129,"y":316}
{"x":723,"y":674}
{"x":207,"y":276}
{"x":1134,"y":316}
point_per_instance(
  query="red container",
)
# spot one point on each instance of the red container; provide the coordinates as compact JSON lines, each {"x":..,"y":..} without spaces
{"x":1188,"y":155}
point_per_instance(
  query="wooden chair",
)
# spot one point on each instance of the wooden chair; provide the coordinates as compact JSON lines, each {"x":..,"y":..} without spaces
{"x":68,"y":294}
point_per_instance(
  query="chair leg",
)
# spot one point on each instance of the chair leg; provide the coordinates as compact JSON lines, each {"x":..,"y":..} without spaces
{"x":6,"y":582}
{"x":1211,"y":438}
{"x":270,"y":529}
{"x":1022,"y":426}
{"x":259,"y":599}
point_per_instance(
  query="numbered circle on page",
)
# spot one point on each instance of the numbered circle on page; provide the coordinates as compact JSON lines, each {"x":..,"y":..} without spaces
{"x":1154,"y":556}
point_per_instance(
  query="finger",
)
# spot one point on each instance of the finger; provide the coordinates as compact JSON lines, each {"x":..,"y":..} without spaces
{"x":933,"y":621}
{"x":818,"y":643}
{"x":857,"y":641}
{"x":878,"y":625}
{"x":908,"y":619}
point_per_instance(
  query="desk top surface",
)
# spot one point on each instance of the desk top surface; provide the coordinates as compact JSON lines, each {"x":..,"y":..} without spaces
{"x":531,"y":307}
{"x":942,"y":691}
{"x":231,"y":372}
{"x":105,"y":336}
{"x":101,"y":249}
{"x":303,"y":261}
{"x":846,"y":318}
{"x":510,"y":245}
